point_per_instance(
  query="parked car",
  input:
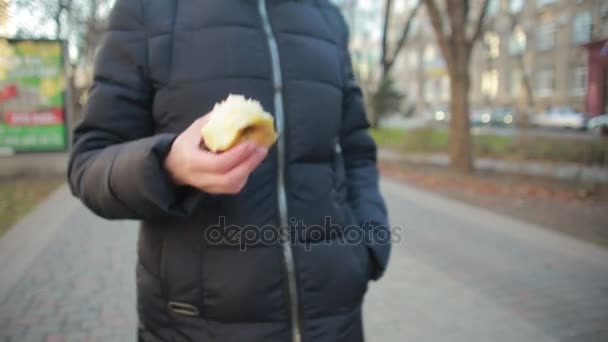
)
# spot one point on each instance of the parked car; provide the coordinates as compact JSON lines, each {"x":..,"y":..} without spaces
{"x":560,"y":117}
{"x":481,"y":116}
{"x":491,"y":116}
{"x":438,"y":115}
{"x":598,"y":125}
{"x":502,"y":116}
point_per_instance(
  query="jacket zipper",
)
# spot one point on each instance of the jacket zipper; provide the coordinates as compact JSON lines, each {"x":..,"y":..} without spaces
{"x":282,"y":196}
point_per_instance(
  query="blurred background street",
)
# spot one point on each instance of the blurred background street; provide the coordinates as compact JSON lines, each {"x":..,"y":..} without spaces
{"x":492,"y":128}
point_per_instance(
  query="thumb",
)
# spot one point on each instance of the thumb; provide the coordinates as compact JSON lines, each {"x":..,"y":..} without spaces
{"x":199,"y":123}
{"x":193,"y":132}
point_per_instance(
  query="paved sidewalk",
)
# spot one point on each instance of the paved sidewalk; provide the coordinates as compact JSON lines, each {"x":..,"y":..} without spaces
{"x":465,"y":274}
{"x":80,"y":286}
{"x":460,"y":274}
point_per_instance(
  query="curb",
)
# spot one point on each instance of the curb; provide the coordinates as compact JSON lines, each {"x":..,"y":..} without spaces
{"x":34,"y":164}
{"x":558,"y":171}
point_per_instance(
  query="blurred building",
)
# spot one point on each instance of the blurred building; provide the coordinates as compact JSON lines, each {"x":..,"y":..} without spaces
{"x":543,"y":41}
{"x":364,"y":18}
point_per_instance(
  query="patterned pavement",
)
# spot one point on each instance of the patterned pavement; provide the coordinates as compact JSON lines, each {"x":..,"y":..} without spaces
{"x":459,"y":274}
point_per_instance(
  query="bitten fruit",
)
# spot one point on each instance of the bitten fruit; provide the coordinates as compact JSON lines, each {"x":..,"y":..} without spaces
{"x":235,"y":120}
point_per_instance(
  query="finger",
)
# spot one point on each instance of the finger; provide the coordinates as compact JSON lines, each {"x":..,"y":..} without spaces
{"x":233,"y":181}
{"x":194,"y":131}
{"x":225,"y":161}
{"x":201,"y":122}
{"x":243,"y":170}
{"x":215,"y":183}
{"x":226,"y":190}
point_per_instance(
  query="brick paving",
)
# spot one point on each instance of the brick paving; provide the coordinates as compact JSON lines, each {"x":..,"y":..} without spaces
{"x":80,"y":288}
{"x":460,"y":274}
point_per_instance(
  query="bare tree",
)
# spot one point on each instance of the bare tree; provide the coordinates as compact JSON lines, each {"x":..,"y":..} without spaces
{"x":388,"y":59}
{"x":78,"y":21}
{"x":93,"y":26}
{"x":384,"y":97}
{"x":457,"y":30}
{"x":58,"y":12}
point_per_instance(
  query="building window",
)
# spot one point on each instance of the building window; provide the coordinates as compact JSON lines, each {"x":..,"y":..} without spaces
{"x":517,"y":42}
{"x":579,"y":81}
{"x":489,"y":83}
{"x":400,"y":64}
{"x":414,"y":27}
{"x":542,"y":3}
{"x":432,"y":59}
{"x":516,"y":83}
{"x":444,"y":93}
{"x":412,"y":94}
{"x":545,"y":38}
{"x":581,"y":28}
{"x":437,"y":88}
{"x":430,"y":53}
{"x":493,"y":7}
{"x":399,"y":6}
{"x":545,"y":81}
{"x":492,"y":44}
{"x":429,"y":92}
{"x":412,"y":59}
{"x":516,"y":6}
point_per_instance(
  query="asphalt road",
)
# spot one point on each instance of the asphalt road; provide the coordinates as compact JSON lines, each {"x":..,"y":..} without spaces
{"x":459,"y":274}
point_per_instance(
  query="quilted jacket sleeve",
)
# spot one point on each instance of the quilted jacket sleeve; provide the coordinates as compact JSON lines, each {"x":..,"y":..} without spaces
{"x":116,"y":165}
{"x":359,"y":152}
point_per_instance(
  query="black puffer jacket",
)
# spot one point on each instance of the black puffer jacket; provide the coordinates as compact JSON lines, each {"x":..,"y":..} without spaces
{"x":213,"y":268}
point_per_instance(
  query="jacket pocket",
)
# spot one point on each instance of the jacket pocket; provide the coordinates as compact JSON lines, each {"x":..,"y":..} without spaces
{"x":333,"y":276}
{"x":243,"y":285}
{"x":366,"y":252}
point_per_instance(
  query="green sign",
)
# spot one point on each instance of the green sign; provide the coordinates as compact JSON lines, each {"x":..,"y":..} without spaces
{"x":32,"y":92}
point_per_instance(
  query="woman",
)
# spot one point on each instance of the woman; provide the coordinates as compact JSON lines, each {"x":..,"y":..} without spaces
{"x":250,"y":244}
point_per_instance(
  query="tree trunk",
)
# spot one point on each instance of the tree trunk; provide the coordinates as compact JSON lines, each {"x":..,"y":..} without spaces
{"x":461,"y":159}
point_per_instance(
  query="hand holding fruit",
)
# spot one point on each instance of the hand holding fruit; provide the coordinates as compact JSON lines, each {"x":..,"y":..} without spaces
{"x":241,"y":137}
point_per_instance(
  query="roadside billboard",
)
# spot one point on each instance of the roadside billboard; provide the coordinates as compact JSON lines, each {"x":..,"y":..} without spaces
{"x":32,"y":96}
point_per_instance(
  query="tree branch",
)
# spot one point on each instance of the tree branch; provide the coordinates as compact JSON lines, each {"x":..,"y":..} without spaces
{"x":403,"y":37}
{"x":479,"y":24}
{"x":442,"y":37}
{"x":384,"y":52}
{"x":467,"y":9}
